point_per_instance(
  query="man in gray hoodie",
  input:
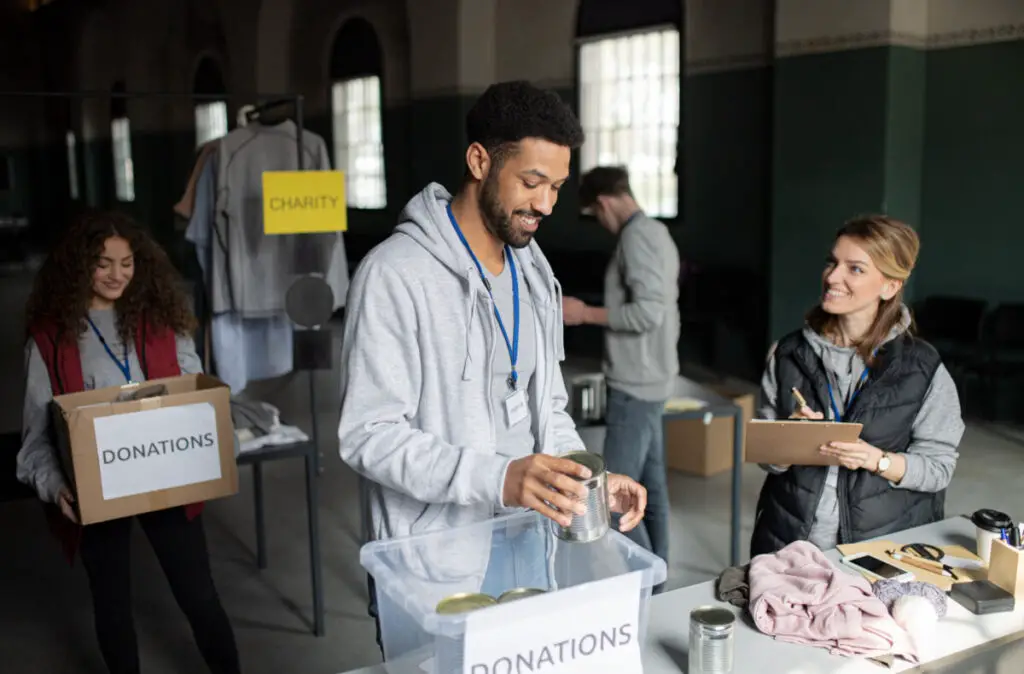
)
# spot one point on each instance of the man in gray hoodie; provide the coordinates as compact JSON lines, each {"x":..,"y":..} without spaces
{"x":641,"y":320}
{"x":453,"y":401}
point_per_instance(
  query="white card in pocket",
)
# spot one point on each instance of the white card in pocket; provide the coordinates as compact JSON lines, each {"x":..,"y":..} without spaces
{"x":516,"y":410}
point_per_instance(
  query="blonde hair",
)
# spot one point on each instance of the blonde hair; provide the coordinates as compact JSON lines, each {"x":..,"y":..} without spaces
{"x":893,"y":247}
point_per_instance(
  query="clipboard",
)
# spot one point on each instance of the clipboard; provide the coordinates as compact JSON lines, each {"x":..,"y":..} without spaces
{"x":793,"y":442}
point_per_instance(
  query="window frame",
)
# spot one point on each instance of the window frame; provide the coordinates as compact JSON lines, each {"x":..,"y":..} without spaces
{"x":71,"y":157}
{"x":124,"y":186}
{"x":206,"y":105}
{"x":654,"y":208}
{"x":341,"y":147}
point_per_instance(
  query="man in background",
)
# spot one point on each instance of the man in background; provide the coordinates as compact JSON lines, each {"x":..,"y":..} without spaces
{"x":641,"y":320}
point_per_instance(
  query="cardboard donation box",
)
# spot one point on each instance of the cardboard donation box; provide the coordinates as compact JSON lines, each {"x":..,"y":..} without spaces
{"x":705,"y":449}
{"x":137,"y":448}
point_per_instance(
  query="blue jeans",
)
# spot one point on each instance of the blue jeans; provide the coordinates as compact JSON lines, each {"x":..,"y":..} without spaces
{"x":635,"y":446}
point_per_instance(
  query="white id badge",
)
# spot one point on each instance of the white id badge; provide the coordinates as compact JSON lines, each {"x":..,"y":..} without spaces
{"x":515,"y":408}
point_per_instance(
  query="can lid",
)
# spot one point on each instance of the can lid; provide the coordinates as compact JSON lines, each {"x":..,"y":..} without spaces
{"x":592,"y":461}
{"x":713,"y":617}
{"x":519,"y":593}
{"x":464,"y":603}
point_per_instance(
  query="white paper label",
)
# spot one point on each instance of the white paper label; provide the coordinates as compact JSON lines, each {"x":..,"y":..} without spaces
{"x":579,"y":630}
{"x":140,"y":452}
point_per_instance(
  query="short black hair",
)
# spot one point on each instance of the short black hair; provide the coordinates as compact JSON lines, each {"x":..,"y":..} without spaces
{"x":508,"y":112}
{"x":603,"y":181}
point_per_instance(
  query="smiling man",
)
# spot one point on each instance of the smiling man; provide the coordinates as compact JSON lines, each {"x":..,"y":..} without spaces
{"x":453,"y":402}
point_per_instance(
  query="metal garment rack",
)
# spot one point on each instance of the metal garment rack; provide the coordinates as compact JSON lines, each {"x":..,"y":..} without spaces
{"x":308,"y":450}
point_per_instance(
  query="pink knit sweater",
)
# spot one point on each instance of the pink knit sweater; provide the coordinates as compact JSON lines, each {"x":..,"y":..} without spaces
{"x":798,"y":595}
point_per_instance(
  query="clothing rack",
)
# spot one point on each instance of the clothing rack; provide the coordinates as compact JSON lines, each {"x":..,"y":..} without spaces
{"x":270,"y":101}
{"x":310,"y":450}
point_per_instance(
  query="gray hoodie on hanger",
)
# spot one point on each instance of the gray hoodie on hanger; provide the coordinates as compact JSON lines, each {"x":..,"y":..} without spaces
{"x":418,"y":418}
{"x":936,"y":434}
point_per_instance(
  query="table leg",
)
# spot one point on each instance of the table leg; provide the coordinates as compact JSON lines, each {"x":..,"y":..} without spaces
{"x":257,"y":490}
{"x":312,"y":507}
{"x":737,"y":486}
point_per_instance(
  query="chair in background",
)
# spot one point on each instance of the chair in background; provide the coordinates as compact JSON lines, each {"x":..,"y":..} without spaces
{"x":953,"y":325}
{"x":1003,"y":352}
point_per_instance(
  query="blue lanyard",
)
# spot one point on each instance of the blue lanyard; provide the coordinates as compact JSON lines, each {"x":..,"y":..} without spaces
{"x":125,"y":367}
{"x":513,"y":344}
{"x":853,"y":396}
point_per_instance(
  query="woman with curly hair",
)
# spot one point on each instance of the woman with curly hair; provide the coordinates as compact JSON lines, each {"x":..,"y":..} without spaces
{"x":107,"y":308}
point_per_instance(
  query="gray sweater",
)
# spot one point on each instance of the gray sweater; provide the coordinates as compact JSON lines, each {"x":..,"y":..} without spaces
{"x":37,"y":462}
{"x":932,"y":455}
{"x":641,"y":293}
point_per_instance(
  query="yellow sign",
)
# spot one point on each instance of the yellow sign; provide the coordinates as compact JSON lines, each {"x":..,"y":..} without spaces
{"x":304,"y":202}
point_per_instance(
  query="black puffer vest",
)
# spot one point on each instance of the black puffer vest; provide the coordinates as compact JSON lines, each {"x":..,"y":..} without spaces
{"x":887,"y":405}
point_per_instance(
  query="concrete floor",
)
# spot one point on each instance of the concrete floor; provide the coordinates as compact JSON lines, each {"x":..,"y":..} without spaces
{"x":46,"y":610}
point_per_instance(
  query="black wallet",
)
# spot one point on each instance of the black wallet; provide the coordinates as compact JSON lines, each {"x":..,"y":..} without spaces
{"x":982,"y":597}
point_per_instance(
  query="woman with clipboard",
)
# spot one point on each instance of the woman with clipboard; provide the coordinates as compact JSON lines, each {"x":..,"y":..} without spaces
{"x":856,"y":360}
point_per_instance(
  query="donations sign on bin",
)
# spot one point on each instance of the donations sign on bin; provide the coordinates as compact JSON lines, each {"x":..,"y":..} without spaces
{"x":142,"y":447}
{"x":594,"y":627}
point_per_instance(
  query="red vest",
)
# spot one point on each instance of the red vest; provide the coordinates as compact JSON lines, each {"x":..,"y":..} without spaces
{"x":157,"y":351}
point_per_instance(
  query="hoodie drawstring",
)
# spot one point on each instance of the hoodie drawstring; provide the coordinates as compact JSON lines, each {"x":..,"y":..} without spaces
{"x":467,"y":369}
{"x":559,"y":328}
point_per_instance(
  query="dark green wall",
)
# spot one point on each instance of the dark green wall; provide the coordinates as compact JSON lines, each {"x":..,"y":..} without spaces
{"x":725,"y":149}
{"x":974,"y":173}
{"x":831,"y":128}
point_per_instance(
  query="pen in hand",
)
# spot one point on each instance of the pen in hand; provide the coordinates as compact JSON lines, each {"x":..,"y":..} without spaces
{"x":799,"y":397}
{"x":805,"y":412}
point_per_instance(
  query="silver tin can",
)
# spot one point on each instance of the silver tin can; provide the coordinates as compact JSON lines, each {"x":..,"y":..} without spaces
{"x":711,"y":640}
{"x":594,"y":524}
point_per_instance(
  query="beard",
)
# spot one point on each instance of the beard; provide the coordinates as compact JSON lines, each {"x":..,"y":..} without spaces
{"x":497,"y":220}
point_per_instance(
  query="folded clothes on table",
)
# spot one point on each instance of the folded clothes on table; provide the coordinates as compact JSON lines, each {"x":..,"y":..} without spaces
{"x":258,"y":425}
{"x":797,"y":595}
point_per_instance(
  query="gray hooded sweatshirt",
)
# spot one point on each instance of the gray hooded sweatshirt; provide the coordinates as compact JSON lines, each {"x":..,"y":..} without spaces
{"x":418,"y":417}
{"x":932,"y":454}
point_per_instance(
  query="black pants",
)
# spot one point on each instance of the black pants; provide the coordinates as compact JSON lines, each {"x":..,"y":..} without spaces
{"x":180,"y":546}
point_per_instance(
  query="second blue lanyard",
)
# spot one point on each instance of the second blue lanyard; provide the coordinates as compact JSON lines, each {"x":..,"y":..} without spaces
{"x":125,"y":367}
{"x":513,"y":343}
{"x":849,"y":403}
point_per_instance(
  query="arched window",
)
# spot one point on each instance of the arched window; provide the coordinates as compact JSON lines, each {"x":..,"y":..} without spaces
{"x":355,"y":70}
{"x":629,"y":78}
{"x":211,"y":115}
{"x":121,"y":143}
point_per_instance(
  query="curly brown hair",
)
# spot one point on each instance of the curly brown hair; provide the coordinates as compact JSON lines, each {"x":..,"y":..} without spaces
{"x":63,"y":288}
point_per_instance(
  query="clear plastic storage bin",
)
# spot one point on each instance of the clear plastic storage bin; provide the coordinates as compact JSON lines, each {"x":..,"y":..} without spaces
{"x":414,"y":574}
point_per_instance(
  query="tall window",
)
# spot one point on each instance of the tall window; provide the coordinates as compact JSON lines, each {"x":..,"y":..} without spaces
{"x":358,"y":150}
{"x":211,"y":121}
{"x":629,"y":109}
{"x":121,"y":144}
{"x":211,"y":115}
{"x":72,"y":144}
{"x":355,"y":67}
{"x":124,"y":174}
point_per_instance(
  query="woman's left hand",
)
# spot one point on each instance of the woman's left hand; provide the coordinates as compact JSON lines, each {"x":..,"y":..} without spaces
{"x":854,"y":455}
{"x":627,"y":497}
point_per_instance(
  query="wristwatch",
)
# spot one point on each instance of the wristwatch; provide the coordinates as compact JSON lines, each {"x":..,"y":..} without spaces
{"x":883,"y":463}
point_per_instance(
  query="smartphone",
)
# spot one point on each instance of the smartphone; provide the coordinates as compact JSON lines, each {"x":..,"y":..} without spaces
{"x":876,"y":567}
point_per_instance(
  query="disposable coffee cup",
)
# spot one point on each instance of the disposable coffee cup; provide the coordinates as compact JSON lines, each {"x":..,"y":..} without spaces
{"x":989,"y":526}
